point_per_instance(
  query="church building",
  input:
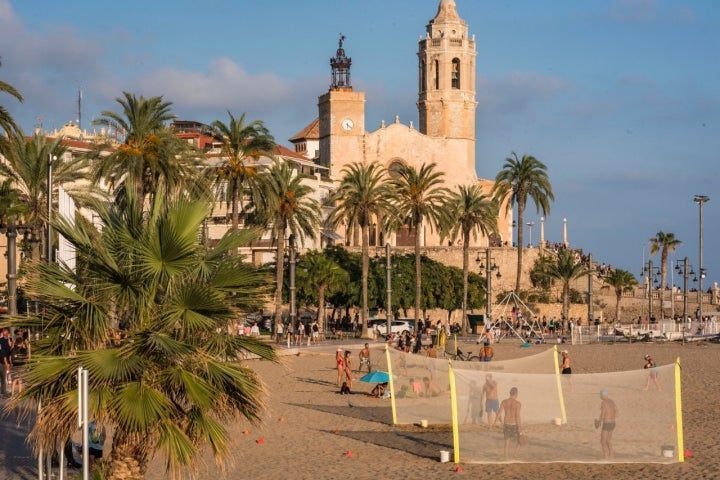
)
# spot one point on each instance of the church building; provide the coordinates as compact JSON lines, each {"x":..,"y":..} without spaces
{"x":445,"y":134}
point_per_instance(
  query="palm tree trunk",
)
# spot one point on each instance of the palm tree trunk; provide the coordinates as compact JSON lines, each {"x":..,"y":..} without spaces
{"x":566,"y":300}
{"x":321,"y":307}
{"x":418,"y":269}
{"x":466,"y":266}
{"x":279,"y":268}
{"x":126,"y":461}
{"x":663,"y":275}
{"x":365,"y":267}
{"x":617,"y":306}
{"x":520,"y":239}
{"x":234,"y":206}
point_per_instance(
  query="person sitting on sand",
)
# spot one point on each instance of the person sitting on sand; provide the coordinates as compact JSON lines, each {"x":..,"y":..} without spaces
{"x":379,"y":390}
{"x":344,"y":389}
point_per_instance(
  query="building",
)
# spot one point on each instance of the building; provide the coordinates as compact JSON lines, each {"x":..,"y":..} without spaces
{"x":445,"y":134}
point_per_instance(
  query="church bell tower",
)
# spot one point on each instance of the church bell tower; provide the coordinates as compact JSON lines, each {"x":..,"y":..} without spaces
{"x":446,"y":90}
{"x":342,"y":116}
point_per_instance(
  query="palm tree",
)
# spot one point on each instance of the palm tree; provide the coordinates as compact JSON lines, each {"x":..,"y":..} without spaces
{"x":150,"y":155}
{"x":7,"y":124}
{"x":420,"y":197}
{"x":241,"y":141}
{"x":364,"y":194}
{"x":169,"y":382}
{"x":620,"y":281}
{"x":285,"y":205}
{"x":469,"y":212}
{"x":664,"y":243}
{"x":566,"y":268}
{"x":518,"y":180}
{"x":318,"y":271}
{"x":26,"y":163}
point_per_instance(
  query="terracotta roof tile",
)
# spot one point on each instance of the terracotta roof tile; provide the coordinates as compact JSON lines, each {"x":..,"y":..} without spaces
{"x":312,"y":132}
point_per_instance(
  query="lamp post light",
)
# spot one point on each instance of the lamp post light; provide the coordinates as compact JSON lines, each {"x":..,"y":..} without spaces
{"x":700,"y":200}
{"x":686,"y":270}
{"x":489,"y":266}
{"x":530,"y":225}
{"x":651,"y":272}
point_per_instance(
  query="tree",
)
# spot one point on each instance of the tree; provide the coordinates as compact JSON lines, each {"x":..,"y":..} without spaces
{"x":364,"y":194}
{"x":241,"y":141}
{"x":7,"y":124}
{"x":620,"y":281}
{"x":420,"y":197}
{"x":26,"y":163}
{"x":567,"y":267}
{"x":150,"y":155}
{"x":518,"y":180}
{"x":469,"y":212}
{"x":147,"y":313}
{"x":318,"y":271}
{"x":664,"y":243}
{"x":285,"y":205}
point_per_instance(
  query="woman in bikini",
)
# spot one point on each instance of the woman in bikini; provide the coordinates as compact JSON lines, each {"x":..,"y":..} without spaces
{"x":340,"y":361}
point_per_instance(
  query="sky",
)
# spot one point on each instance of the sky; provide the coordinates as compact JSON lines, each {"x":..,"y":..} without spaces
{"x":619,"y":98}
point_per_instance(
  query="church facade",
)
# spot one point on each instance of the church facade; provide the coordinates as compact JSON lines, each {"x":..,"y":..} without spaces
{"x":444,"y":136}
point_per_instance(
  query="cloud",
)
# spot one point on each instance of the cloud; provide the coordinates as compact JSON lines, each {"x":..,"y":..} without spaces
{"x":649,"y":11}
{"x":518,"y":91}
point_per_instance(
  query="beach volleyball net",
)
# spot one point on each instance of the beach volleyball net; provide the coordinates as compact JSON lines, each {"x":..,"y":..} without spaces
{"x":560,"y":415}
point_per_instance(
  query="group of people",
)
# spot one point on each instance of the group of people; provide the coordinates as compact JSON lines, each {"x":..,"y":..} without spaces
{"x":343,"y":362}
{"x":14,"y":354}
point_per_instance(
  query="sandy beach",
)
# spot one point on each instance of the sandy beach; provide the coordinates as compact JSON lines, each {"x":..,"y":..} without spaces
{"x":310,"y":431}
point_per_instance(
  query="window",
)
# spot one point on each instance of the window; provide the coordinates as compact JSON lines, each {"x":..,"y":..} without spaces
{"x":455,"y":74}
{"x":437,"y":75}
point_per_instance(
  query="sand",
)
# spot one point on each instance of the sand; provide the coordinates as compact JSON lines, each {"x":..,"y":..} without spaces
{"x":310,"y":431}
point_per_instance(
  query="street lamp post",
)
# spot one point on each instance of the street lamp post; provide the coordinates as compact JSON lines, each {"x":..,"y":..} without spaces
{"x":685,"y":271}
{"x":542,"y":234}
{"x":651,"y":272}
{"x":530,"y":225}
{"x":388,"y":285}
{"x":489,"y":266}
{"x":291,"y":266}
{"x":590,"y":289}
{"x":700,"y":200}
{"x":11,"y":231}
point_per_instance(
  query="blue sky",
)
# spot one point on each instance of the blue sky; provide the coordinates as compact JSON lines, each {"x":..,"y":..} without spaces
{"x":619,"y":98}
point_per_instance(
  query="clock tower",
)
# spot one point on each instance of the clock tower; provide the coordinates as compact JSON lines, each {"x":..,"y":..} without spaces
{"x":342,"y":116}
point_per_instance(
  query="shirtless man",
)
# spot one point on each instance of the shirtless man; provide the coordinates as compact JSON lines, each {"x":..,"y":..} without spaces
{"x":489,"y":396}
{"x":364,"y":359}
{"x":608,"y":412}
{"x":510,"y":414}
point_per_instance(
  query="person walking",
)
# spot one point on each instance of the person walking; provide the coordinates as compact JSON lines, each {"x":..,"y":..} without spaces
{"x":510,"y":414}
{"x":608,"y":413}
{"x":5,"y":360}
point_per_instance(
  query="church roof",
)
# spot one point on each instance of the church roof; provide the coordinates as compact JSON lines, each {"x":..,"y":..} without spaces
{"x":310,"y":132}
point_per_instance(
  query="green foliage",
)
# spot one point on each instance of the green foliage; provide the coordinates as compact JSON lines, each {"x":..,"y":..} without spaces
{"x":169,"y":382}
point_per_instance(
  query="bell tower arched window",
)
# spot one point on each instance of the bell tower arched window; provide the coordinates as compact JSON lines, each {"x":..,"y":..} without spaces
{"x":437,"y":74}
{"x":455,"y":74}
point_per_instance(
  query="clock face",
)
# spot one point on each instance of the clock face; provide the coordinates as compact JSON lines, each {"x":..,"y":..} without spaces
{"x":347,"y":124}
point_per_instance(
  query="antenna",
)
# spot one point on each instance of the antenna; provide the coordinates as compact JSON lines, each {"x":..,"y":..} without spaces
{"x":79,"y":112}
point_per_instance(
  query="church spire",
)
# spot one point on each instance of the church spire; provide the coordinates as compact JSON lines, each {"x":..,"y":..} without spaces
{"x":447,"y":11}
{"x":340,"y":64}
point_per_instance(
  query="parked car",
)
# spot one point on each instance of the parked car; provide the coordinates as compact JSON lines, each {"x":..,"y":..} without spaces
{"x":398,"y":326}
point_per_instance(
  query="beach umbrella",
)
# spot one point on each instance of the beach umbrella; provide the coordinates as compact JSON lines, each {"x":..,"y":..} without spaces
{"x":375,"y":377}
